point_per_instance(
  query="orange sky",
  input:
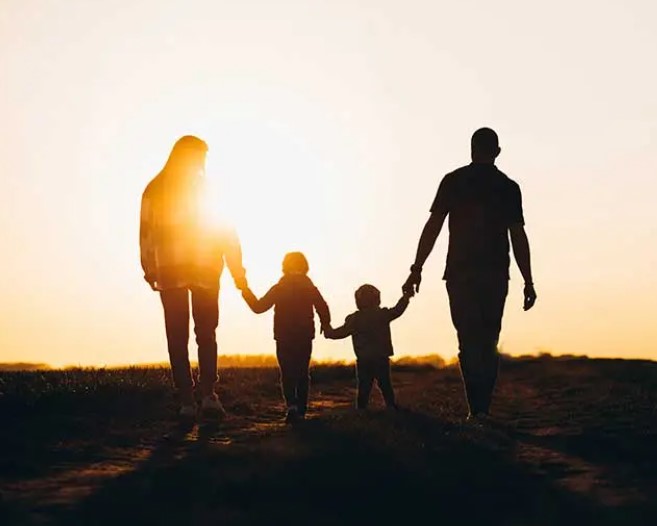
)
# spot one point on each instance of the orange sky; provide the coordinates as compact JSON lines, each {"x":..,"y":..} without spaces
{"x":330,"y":125}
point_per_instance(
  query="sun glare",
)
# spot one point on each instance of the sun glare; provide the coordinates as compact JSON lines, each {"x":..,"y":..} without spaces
{"x":275,"y":199}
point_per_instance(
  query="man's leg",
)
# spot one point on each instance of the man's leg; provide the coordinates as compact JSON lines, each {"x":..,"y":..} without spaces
{"x":472,"y":373}
{"x":176,"y":319}
{"x":384,"y":380}
{"x":205,"y":309}
{"x":493,"y":298}
{"x":466,"y":316}
{"x":365,"y":377}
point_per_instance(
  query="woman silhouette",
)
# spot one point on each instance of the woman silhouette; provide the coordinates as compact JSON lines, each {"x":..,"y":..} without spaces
{"x":182,"y":255}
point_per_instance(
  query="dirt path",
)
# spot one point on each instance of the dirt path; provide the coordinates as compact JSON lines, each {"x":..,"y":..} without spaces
{"x":579,"y":442}
{"x":69,"y":483}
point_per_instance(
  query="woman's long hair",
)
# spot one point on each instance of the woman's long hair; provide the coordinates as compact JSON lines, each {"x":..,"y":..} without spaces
{"x":184,"y":157}
{"x":181,"y":181}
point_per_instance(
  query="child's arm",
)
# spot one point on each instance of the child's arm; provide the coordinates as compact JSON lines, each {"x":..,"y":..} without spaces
{"x":399,"y":309}
{"x":341,"y":332}
{"x":260,"y":305}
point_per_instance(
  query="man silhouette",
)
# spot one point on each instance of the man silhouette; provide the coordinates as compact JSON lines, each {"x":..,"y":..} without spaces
{"x":182,"y":255}
{"x":484,"y":208}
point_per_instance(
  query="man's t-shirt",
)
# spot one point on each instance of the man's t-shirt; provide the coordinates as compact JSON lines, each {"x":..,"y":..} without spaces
{"x":482,"y":204}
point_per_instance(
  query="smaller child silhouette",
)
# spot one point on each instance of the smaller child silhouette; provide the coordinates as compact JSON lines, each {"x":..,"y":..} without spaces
{"x":294,"y":297}
{"x":369,"y":328}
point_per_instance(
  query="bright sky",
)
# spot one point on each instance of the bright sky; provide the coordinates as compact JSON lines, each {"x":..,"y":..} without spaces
{"x":330,"y":125}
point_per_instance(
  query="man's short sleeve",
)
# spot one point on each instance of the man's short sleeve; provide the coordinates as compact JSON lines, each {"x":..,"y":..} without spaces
{"x":442,"y":202}
{"x":515,"y":214}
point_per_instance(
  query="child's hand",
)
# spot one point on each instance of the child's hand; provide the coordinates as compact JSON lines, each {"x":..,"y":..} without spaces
{"x":325,"y":329}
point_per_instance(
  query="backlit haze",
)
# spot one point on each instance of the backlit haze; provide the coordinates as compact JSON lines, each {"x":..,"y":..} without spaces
{"x":330,"y":125}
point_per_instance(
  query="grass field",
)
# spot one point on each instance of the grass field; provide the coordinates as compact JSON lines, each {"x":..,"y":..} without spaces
{"x":574,"y":442}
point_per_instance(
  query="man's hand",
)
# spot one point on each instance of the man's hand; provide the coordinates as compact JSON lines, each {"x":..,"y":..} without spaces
{"x":412,"y":284}
{"x":530,"y":296}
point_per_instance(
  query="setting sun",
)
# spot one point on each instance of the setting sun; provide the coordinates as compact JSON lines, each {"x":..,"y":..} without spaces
{"x":273,"y":191}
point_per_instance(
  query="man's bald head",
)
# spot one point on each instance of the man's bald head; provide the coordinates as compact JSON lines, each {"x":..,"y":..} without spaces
{"x":484,"y":146}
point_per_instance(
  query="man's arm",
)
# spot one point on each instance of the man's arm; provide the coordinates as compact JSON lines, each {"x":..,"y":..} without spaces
{"x":399,"y":309}
{"x":259,"y":305}
{"x":430,"y":233}
{"x":521,"y":253}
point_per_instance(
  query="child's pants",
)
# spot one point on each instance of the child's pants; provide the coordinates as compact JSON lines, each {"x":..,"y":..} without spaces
{"x":294,"y":361}
{"x":368,"y":370}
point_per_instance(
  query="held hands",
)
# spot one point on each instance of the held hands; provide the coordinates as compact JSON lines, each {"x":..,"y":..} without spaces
{"x":326,"y":329}
{"x":241,"y":283}
{"x":530,"y":296}
{"x":412,"y":284}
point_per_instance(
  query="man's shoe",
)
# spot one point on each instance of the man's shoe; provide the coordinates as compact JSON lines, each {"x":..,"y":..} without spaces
{"x":211,"y":407}
{"x":479,"y":420}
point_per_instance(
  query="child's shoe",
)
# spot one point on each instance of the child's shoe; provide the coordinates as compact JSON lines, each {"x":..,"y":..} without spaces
{"x":187,"y":411}
{"x":292,"y":415}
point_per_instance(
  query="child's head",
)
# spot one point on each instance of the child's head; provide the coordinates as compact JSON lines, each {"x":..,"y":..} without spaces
{"x":295,"y":263}
{"x":367,"y":296}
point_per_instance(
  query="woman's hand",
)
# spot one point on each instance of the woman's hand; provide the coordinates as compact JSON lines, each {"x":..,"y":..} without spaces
{"x":241,"y":283}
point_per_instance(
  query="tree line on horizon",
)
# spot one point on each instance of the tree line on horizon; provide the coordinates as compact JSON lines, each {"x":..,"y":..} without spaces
{"x":269,"y":360}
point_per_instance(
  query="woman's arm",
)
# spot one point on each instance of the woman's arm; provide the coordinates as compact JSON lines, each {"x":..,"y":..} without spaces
{"x":146,"y":248}
{"x":233,"y":257}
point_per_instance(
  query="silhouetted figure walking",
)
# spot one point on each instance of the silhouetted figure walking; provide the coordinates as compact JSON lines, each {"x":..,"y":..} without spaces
{"x":369,"y":328}
{"x":182,"y":255}
{"x":484,"y":207}
{"x":295,"y":300}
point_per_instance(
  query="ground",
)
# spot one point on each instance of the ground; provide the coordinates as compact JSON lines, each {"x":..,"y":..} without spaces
{"x":573,"y":442}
